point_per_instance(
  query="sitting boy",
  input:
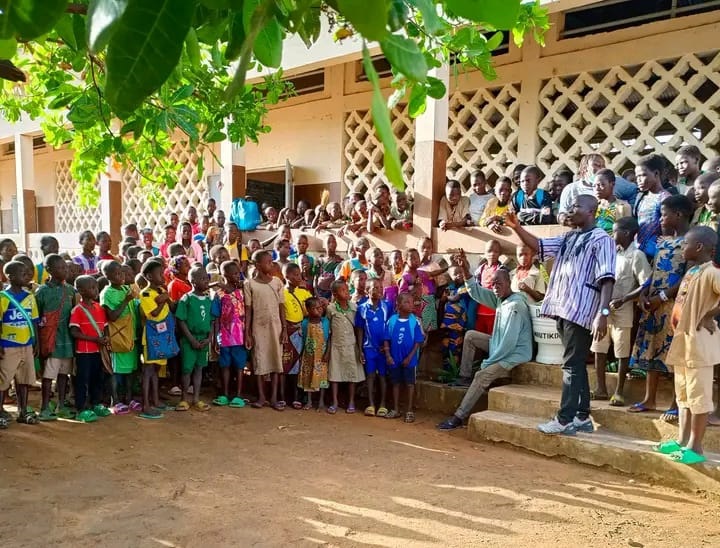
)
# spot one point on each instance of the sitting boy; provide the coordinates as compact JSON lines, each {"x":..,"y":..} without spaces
{"x":454,"y":208}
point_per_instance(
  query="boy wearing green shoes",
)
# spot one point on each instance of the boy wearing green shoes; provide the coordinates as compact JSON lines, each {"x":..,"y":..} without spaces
{"x":195,"y":322}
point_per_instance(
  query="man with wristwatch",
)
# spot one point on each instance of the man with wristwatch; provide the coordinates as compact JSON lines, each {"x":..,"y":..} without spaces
{"x":578,"y":297}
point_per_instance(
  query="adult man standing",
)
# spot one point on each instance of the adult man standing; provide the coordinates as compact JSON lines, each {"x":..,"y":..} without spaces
{"x":509,"y":345}
{"x":578,"y":297}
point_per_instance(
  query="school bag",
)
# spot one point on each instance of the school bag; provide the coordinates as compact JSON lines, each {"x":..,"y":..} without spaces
{"x":160,"y":336}
{"x":121,"y":333}
{"x":245,"y":214}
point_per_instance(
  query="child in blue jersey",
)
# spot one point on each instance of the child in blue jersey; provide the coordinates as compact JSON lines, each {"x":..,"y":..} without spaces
{"x":403,"y":338}
{"x":370,"y":324}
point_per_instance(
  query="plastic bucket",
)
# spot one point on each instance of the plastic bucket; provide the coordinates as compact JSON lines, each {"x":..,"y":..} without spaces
{"x":545,"y":333}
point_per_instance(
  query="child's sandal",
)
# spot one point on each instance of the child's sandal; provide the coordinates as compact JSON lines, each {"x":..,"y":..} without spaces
{"x":370,"y":411}
{"x":201,"y":406}
{"x":409,"y":417}
{"x":182,"y":406}
{"x":392,"y":415}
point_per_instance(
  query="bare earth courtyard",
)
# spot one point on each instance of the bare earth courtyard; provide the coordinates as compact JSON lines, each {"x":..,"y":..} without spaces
{"x":298,"y":478}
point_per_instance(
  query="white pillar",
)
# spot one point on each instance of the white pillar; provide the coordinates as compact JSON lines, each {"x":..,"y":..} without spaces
{"x":232,"y":174}
{"x":24,"y":176}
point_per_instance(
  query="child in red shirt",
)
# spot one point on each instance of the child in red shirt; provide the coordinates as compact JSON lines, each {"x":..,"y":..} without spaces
{"x":179,"y":285}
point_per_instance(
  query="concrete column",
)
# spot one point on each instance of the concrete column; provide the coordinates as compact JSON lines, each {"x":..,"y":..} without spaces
{"x":111,"y":213}
{"x":431,"y":151}
{"x":24,"y":176}
{"x":529,"y":116}
{"x":232,"y":174}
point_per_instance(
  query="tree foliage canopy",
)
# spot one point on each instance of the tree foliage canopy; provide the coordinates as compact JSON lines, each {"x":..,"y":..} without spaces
{"x":116,"y":79}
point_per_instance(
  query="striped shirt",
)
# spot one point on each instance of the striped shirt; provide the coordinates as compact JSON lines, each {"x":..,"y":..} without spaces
{"x":582,"y":261}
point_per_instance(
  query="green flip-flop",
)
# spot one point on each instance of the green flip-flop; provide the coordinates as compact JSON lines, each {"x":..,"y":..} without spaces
{"x":102,"y":411}
{"x":152,"y":414}
{"x":221,"y":401}
{"x":668,"y":447}
{"x":47,"y":415}
{"x":688,"y":456}
{"x":237,"y":403}
{"x":66,"y":413}
{"x":86,"y":416}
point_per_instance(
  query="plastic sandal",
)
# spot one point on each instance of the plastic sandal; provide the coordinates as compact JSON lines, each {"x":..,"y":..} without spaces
{"x":392,"y":415}
{"x":668,"y":447}
{"x":256,"y":404}
{"x":670,"y":416}
{"x":120,"y":409}
{"x":28,"y":418}
{"x":3,"y":423}
{"x":5,"y":415}
{"x":175,"y":391}
{"x":279,"y":405}
{"x":331,"y":410}
{"x":135,"y":406}
{"x":307,"y":406}
{"x":162,"y":407}
{"x":86,"y":416}
{"x":688,"y":456}
{"x":237,"y":403}
{"x":221,"y":401}
{"x":182,"y":406}
{"x":382,"y":412}
{"x":101,"y":411}
{"x":639,"y":408}
{"x":47,"y":415}
{"x":617,"y":401}
{"x":297,"y":405}
{"x":152,"y":414}
{"x":409,"y":417}
{"x":369,"y":411}
{"x":350,"y":410}
{"x":201,"y":406}
{"x":66,"y":413}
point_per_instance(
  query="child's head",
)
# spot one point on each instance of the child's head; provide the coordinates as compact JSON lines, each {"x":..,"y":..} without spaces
{"x":713,"y":202}
{"x":175,"y":249}
{"x":361,"y":246}
{"x":624,"y":231}
{"x":425,"y":248}
{"x":701,"y":185}
{"x":186,"y":231}
{"x":525,"y":256}
{"x":453,"y":192}
{"x":412,"y":258}
{"x":361,"y":208}
{"x":401,"y":202}
{"x":104,"y":241}
{"x":375,"y":258}
{"x":604,"y":184}
{"x":124,"y":249}
{"x":271,"y":214}
{"x":478,"y":182}
{"x":87,"y":286}
{"x":230,"y":270}
{"x":27,"y":261}
{"x":675,"y":211}
{"x":112,"y":270}
{"x":48,"y":245}
{"x":152,"y":271}
{"x":179,"y":266}
{"x":170,"y":233}
{"x":330,"y":244}
{"x":358,"y":280}
{"x":210,"y":206}
{"x":263,"y":262}
{"x":282,"y":247}
{"x":302,"y":243}
{"x":404,"y":303}
{"x":503,"y":190}
{"x":16,"y":273}
{"x":309,"y":216}
{"x":530,"y":179}
{"x":516,"y":173}
{"x":340,"y":291}
{"x":56,"y":267}
{"x":314,"y":308}
{"x":334,"y":210}
{"x":396,"y":260}
{"x":174,"y":220}
{"x":301,"y":207}
{"x":219,"y":218}
{"x":687,"y":161}
{"x":145,"y":255}
{"x":292,"y":274}
{"x":130,"y":230}
{"x":291,"y":215}
{"x":456,"y":275}
{"x":130,"y":270}
{"x":492,"y":251}
{"x":219,"y":254}
{"x":560,"y":180}
{"x":86,"y":240}
{"x":699,"y":244}
{"x":73,"y":271}
{"x":253,"y":245}
{"x":199,"y":279}
{"x":191,"y":214}
{"x":374,"y":287}
{"x":284,"y":233}
{"x":204,"y":223}
{"x":648,"y":173}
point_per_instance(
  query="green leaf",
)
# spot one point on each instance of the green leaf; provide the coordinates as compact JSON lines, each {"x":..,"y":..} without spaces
{"x":32,"y":18}
{"x":495,"y":40}
{"x":236,"y":36}
{"x":436,"y":88}
{"x":6,"y":29}
{"x":64,"y":29}
{"x":60,"y":101}
{"x":499,"y":14}
{"x":8,"y":48}
{"x":214,"y":137}
{"x":405,"y":56}
{"x":102,"y":19}
{"x":216,"y":4}
{"x":417,"y":102}
{"x":144,"y":50}
{"x":192,"y":48}
{"x":269,"y":44}
{"x":383,"y":127}
{"x":432,"y":22}
{"x":398,"y":15}
{"x":79,"y":31}
{"x":396,"y":97}
{"x":369,"y":17}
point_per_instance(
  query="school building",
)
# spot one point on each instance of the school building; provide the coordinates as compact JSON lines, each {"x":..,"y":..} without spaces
{"x":620,"y":77}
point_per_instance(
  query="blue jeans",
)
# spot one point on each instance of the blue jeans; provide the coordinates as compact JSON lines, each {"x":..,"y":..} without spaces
{"x":575,"y":400}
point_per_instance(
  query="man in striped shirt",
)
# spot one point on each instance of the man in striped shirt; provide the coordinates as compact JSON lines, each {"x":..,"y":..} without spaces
{"x":578,"y":297}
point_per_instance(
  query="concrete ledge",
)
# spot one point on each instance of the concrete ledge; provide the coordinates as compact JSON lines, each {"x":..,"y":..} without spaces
{"x":540,"y":401}
{"x":441,"y":398}
{"x":598,"y":449}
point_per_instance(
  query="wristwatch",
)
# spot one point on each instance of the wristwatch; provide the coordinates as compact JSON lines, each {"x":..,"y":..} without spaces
{"x":605,"y":312}
{"x":663,"y":296}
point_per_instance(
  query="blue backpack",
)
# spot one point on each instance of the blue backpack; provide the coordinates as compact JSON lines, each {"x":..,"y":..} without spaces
{"x":245,"y":214}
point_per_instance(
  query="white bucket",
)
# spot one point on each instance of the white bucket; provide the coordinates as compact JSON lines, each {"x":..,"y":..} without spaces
{"x":545,"y":333}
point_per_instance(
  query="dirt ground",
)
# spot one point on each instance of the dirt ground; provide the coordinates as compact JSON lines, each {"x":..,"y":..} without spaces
{"x":245,"y":477}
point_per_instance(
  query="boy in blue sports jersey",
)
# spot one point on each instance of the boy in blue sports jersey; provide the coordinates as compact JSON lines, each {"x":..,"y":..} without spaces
{"x":370,"y":324}
{"x":403,"y":338}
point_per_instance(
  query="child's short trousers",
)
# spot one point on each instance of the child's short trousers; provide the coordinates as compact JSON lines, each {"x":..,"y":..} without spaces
{"x":621,"y":339}
{"x":402,"y":375}
{"x":57,"y":366}
{"x":694,"y":388}
{"x":18,"y":363}
{"x":191,"y":358}
{"x":375,"y":363}
{"x":236,"y":356}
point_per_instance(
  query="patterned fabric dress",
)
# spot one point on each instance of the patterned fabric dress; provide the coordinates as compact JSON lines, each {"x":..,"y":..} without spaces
{"x":326,"y":275}
{"x":655,"y":332}
{"x":313,"y":369}
{"x":453,"y":326}
{"x":647,"y":211}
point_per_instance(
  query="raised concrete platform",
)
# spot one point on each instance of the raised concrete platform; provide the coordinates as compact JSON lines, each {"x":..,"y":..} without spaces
{"x":602,"y":448}
{"x":441,"y":398}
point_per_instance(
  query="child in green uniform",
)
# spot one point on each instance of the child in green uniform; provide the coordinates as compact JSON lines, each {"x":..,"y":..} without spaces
{"x":195,"y":323}
{"x":119,"y":302}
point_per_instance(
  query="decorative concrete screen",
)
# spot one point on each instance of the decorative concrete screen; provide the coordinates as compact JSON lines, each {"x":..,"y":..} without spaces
{"x":483,"y":132}
{"x":189,"y":190}
{"x":69,"y":216}
{"x":363,"y":153}
{"x":626,"y":112}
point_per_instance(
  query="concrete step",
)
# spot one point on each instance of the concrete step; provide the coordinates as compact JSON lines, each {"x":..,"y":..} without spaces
{"x":543,"y":401}
{"x":538,"y":374}
{"x":602,"y":448}
{"x":441,"y":398}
